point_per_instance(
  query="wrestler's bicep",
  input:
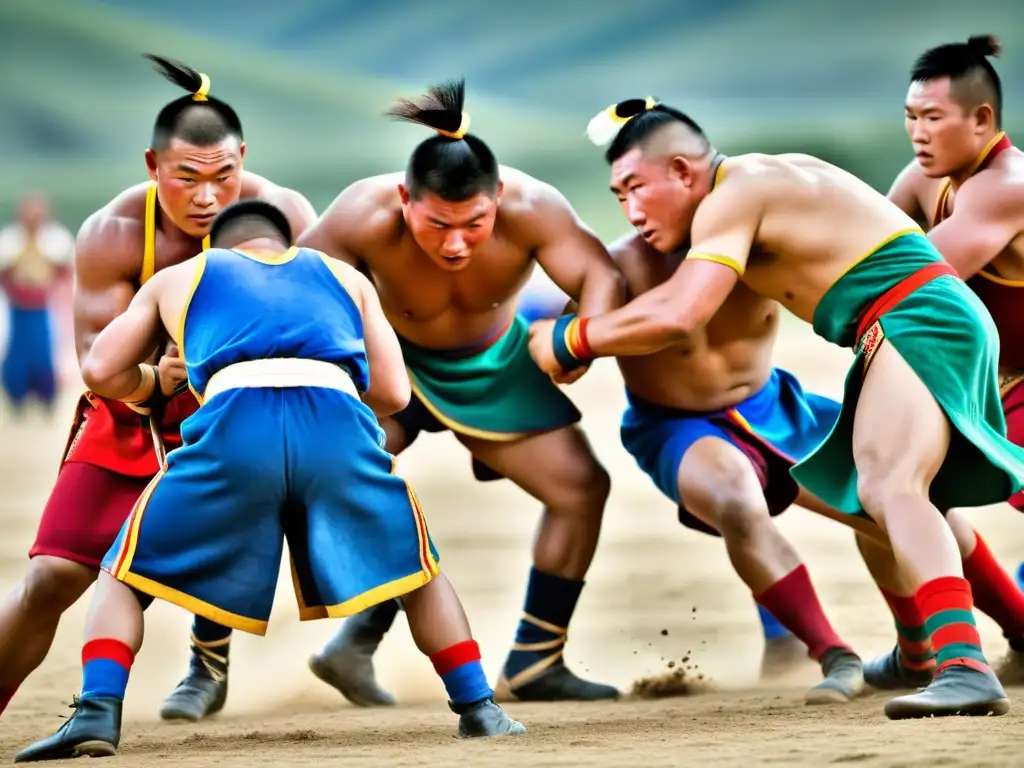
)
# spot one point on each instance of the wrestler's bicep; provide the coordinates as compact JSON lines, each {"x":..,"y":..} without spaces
{"x":101,"y":293}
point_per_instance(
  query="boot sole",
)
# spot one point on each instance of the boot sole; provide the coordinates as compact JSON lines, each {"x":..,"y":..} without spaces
{"x":826,"y":696}
{"x":899,"y":710}
{"x":328,"y":675}
{"x":95,"y":749}
{"x":516,"y":729}
{"x":504,"y":695}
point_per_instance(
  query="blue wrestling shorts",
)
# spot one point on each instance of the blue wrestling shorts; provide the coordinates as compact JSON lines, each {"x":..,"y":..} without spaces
{"x":259,"y":466}
{"x":774,"y":428}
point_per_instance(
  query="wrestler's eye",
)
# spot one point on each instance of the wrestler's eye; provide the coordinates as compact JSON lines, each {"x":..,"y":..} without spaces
{"x":223,"y":179}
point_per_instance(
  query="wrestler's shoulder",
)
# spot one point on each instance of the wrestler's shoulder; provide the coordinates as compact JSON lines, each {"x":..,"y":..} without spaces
{"x":533,"y":212}
{"x":118,"y":228}
{"x":256,"y":186}
{"x":1005,"y":174}
{"x":629,"y":249}
{"x":524,"y":195}
{"x":367,"y":214}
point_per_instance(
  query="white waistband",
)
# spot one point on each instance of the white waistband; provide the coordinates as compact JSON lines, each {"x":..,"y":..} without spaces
{"x":280,"y":372}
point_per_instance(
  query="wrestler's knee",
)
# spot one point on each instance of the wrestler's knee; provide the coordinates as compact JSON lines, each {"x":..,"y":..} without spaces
{"x":724,"y":493}
{"x":882,"y":489}
{"x":581,"y":487}
{"x":53,"y":584}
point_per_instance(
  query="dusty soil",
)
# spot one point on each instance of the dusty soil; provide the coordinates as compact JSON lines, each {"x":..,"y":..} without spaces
{"x":657,"y":593}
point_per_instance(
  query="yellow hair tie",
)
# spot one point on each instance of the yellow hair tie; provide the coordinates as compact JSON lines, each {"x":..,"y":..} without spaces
{"x":204,"y":88}
{"x":606,"y":124}
{"x":463,"y":128}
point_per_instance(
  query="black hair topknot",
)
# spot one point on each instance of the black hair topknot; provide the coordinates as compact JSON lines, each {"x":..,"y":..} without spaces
{"x":454,"y":165}
{"x":199,"y":121}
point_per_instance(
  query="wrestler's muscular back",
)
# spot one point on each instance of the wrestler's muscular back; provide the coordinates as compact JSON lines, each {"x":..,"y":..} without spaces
{"x":807,"y":220}
{"x":720,"y":364}
{"x":426,"y":304}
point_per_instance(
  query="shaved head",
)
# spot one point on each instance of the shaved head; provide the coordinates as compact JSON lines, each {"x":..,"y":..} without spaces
{"x":656,"y":131}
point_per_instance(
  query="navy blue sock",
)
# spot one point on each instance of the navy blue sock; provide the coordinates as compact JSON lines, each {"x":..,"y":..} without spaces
{"x":460,"y":670}
{"x":549,"y":605}
{"x":105,"y":667}
{"x":211,"y":644}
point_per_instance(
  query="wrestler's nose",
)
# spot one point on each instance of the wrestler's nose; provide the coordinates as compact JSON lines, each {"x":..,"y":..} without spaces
{"x":454,"y":244}
{"x":635,"y":214}
{"x":205,"y":195}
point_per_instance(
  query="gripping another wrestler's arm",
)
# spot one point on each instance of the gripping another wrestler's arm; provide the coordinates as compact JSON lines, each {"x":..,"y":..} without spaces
{"x":722,"y":233}
{"x":112,"y":366}
{"x":985,"y":219}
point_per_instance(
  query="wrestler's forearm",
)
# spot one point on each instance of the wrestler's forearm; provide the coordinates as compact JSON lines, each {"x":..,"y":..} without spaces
{"x":642,"y":327}
{"x":111,"y":366}
{"x":127,"y":385}
{"x":603,"y":290}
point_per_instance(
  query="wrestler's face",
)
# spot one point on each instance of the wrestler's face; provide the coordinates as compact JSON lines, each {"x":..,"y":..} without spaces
{"x":657,"y":196}
{"x":194,"y":184}
{"x":946,"y":138}
{"x":449,"y":232}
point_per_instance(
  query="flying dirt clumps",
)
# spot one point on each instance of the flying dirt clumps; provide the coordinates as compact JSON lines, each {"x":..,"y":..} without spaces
{"x":677,"y":680}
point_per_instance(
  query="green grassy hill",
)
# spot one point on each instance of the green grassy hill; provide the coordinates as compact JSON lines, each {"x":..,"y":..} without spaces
{"x":79,"y":111}
{"x":311,"y":77}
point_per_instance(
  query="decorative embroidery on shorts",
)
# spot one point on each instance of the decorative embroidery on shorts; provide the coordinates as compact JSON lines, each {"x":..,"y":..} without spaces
{"x":1008,"y":381}
{"x":84,"y":417}
{"x":870,"y":342}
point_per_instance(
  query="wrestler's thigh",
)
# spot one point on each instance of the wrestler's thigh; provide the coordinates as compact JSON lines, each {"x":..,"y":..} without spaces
{"x":554,"y":467}
{"x":900,"y":433}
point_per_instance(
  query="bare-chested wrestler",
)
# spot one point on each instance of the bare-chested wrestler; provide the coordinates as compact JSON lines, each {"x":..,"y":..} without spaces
{"x":449,"y":243}
{"x":921,"y":428}
{"x":717,"y":428}
{"x":195,"y":169}
{"x":966,"y":187}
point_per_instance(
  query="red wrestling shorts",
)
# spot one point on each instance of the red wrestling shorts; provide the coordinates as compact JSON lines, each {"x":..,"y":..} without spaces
{"x":108,"y":462}
{"x":1011,"y":388}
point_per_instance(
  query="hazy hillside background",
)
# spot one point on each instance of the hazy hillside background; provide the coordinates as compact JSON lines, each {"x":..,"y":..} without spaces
{"x":311,"y":77}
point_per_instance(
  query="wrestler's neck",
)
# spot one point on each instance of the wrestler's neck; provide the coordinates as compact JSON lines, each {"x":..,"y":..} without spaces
{"x":260,"y":245}
{"x":982,"y":149}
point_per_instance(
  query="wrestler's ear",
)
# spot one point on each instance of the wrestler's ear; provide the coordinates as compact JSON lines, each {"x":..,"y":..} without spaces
{"x":403,"y":194}
{"x":151,"y":163}
{"x":984,"y":118}
{"x":680,"y":168}
{"x":500,"y":192}
{"x":241,"y":151}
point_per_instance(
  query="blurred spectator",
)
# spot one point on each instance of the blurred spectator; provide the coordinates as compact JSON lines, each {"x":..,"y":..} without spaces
{"x":35,"y":258}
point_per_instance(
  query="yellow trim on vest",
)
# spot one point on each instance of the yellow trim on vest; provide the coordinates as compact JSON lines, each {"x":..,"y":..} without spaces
{"x":270,"y":258}
{"x":196,"y":279}
{"x":344,"y":278}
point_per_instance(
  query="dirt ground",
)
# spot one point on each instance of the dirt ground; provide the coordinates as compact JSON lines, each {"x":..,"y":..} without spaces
{"x":655,"y":594}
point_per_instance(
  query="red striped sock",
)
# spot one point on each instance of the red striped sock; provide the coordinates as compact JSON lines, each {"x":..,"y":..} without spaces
{"x":915,"y":645}
{"x":946,"y":606}
{"x":994,"y":592}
